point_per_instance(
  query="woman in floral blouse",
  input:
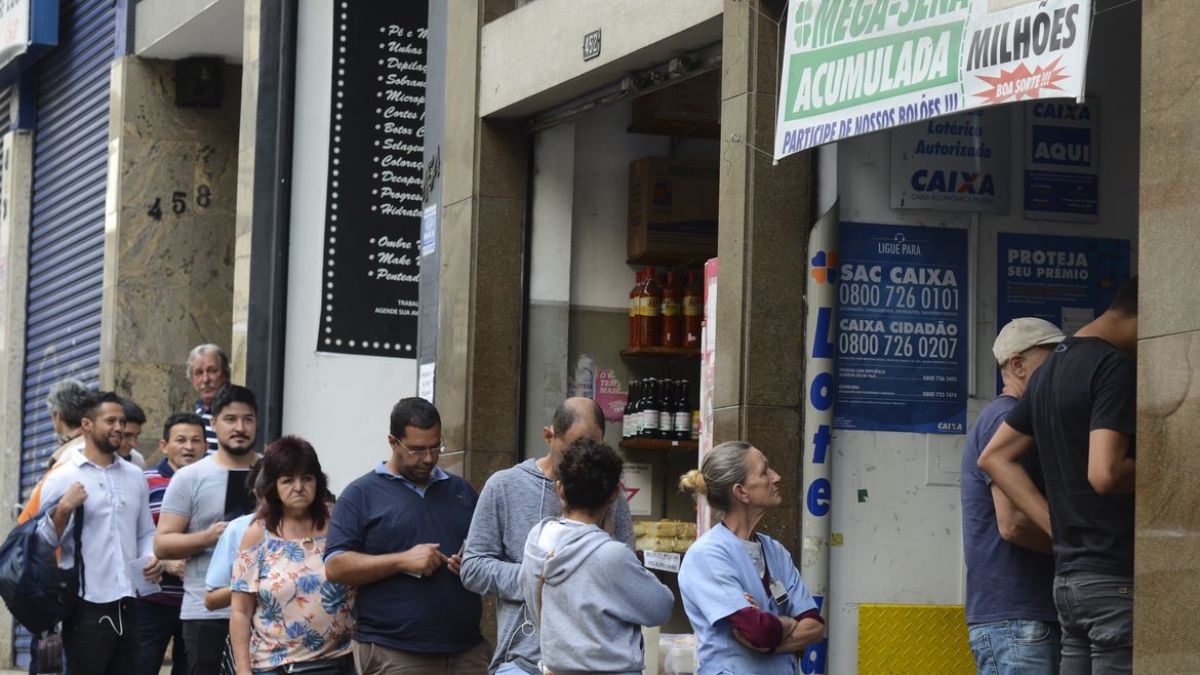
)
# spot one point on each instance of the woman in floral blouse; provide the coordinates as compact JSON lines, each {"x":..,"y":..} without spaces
{"x":287,"y":617}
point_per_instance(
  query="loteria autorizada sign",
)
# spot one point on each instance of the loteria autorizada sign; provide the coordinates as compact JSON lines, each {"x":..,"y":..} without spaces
{"x":856,"y":66}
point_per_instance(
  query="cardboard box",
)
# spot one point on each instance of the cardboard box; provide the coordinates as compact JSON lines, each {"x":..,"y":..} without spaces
{"x":672,"y":210}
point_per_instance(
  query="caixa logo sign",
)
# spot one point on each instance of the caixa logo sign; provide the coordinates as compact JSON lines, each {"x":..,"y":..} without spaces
{"x":954,"y":182}
{"x":949,"y":426}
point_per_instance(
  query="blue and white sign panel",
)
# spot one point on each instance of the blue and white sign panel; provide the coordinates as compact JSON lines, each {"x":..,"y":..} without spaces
{"x":955,"y":163}
{"x":1067,"y":281}
{"x":1062,"y":161}
{"x":903,"y":329}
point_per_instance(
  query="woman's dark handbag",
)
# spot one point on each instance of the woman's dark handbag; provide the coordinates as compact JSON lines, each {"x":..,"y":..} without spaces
{"x":37,"y":592}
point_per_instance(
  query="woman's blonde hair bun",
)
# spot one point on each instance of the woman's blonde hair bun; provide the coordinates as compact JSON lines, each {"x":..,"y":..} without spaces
{"x":693,"y":482}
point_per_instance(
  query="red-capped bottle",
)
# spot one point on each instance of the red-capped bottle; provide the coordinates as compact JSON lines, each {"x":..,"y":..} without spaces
{"x":650,"y":312}
{"x":672,"y":321}
{"x":634,"y":294}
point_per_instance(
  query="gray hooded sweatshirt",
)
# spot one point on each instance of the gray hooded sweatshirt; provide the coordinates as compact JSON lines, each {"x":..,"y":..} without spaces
{"x":512,"y":502}
{"x":595,"y":599}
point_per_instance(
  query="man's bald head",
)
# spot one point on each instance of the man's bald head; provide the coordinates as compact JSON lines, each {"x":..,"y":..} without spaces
{"x":577,"y":410}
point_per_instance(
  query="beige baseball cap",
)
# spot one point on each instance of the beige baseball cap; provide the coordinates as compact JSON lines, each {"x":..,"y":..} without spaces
{"x":1024,"y":333}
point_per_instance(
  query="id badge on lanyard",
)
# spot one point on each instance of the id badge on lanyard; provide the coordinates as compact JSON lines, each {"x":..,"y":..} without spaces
{"x":778,"y":592}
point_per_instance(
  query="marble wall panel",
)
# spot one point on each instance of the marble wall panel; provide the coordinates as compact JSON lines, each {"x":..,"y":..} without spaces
{"x":1168,"y":503}
{"x":170,"y":241}
{"x":1167,"y":546}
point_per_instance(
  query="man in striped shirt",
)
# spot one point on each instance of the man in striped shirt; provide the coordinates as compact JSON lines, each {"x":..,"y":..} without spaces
{"x":158,"y":615}
{"x":208,"y":369}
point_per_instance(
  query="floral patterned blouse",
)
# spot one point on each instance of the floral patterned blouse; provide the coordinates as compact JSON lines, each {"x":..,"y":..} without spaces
{"x":301,"y":616}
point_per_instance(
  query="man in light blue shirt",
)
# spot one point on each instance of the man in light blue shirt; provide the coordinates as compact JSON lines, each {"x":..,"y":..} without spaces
{"x":117,"y":542}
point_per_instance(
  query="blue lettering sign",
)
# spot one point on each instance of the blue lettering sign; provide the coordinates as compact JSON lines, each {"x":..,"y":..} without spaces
{"x":903,"y":335}
{"x":821,"y":441}
{"x":821,"y":391}
{"x":823,"y":340}
{"x":820,"y":494}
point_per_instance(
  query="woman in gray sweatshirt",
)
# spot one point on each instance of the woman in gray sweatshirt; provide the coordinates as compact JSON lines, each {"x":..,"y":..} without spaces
{"x":587,"y":592}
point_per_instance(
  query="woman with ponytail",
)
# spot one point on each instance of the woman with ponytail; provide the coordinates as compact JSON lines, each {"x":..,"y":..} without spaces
{"x":741,"y":590}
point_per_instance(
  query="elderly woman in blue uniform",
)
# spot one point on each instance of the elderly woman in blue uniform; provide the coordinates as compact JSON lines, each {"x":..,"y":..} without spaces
{"x":742,"y":593}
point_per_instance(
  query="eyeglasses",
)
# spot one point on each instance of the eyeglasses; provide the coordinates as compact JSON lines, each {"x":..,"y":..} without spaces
{"x":435,"y":450}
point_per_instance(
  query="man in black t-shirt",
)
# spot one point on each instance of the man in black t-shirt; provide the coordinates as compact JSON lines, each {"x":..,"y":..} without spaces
{"x":1080,"y":411}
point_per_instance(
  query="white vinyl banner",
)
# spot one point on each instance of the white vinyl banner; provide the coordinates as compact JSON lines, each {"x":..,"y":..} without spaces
{"x":856,"y":66}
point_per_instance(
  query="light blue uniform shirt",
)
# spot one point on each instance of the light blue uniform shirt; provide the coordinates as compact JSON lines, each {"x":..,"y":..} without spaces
{"x":220,"y":569}
{"x":716,"y":571}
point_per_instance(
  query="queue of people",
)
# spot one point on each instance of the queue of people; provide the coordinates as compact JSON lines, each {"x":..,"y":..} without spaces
{"x":242,"y":562}
{"x":247,"y":565}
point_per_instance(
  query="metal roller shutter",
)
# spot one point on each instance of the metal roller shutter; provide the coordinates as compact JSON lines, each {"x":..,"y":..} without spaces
{"x":66,"y":246}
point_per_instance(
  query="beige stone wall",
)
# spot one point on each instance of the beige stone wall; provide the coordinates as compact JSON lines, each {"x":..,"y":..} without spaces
{"x":16,"y":155}
{"x":168,"y":281}
{"x":1167,"y":549}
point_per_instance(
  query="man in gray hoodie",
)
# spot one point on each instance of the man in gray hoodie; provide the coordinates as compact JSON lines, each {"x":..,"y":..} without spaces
{"x":512,"y":502}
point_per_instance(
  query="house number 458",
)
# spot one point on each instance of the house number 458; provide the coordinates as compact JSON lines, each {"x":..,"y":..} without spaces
{"x":179,"y":202}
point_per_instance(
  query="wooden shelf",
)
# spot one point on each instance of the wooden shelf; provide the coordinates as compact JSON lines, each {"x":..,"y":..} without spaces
{"x":663,"y":352}
{"x":659,"y":444}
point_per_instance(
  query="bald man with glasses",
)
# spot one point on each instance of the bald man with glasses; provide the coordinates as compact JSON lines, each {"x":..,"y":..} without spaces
{"x":396,"y":536}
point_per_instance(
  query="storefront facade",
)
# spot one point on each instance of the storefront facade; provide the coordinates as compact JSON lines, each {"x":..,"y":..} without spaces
{"x":536,"y":174}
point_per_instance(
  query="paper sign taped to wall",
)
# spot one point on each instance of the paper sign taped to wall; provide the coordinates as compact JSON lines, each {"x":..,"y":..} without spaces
{"x":637,"y":483}
{"x":425,"y":374}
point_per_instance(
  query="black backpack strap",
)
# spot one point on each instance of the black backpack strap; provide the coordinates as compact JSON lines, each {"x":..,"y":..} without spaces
{"x":78,"y":533}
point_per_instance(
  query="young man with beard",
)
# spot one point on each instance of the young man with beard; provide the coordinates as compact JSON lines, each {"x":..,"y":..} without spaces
{"x":200,"y":500}
{"x":101,"y":636}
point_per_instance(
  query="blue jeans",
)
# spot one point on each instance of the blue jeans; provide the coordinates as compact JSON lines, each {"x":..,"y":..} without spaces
{"x":157,"y":625}
{"x":1015,"y":647}
{"x":1096,"y":612}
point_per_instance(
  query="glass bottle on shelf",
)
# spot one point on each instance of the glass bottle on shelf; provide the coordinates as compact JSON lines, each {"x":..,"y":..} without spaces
{"x":672,"y":322}
{"x":683,"y":411}
{"x":650,"y":409}
{"x":693,"y":312}
{"x":650,"y":312}
{"x":627,"y":416}
{"x":666,"y":410}
{"x":633,"y":309}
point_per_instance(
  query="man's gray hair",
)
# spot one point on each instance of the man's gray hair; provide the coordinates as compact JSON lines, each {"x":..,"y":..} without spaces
{"x":208,"y":348}
{"x":69,"y":398}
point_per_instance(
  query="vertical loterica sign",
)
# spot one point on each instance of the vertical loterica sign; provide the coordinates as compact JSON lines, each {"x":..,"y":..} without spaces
{"x":373,"y":212}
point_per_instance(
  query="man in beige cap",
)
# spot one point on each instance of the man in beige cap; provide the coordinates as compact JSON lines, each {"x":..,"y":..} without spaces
{"x":1012,"y":622}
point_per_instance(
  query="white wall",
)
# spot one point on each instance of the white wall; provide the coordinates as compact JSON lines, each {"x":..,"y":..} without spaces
{"x":527,"y":68}
{"x":904,"y":543}
{"x":599,"y":242}
{"x":339,"y":402}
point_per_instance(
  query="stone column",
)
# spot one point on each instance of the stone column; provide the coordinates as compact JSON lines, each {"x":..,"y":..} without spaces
{"x":481,"y":295}
{"x":1167,"y":584}
{"x":765,"y":214}
{"x":16,"y":167}
{"x":169,"y":230}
